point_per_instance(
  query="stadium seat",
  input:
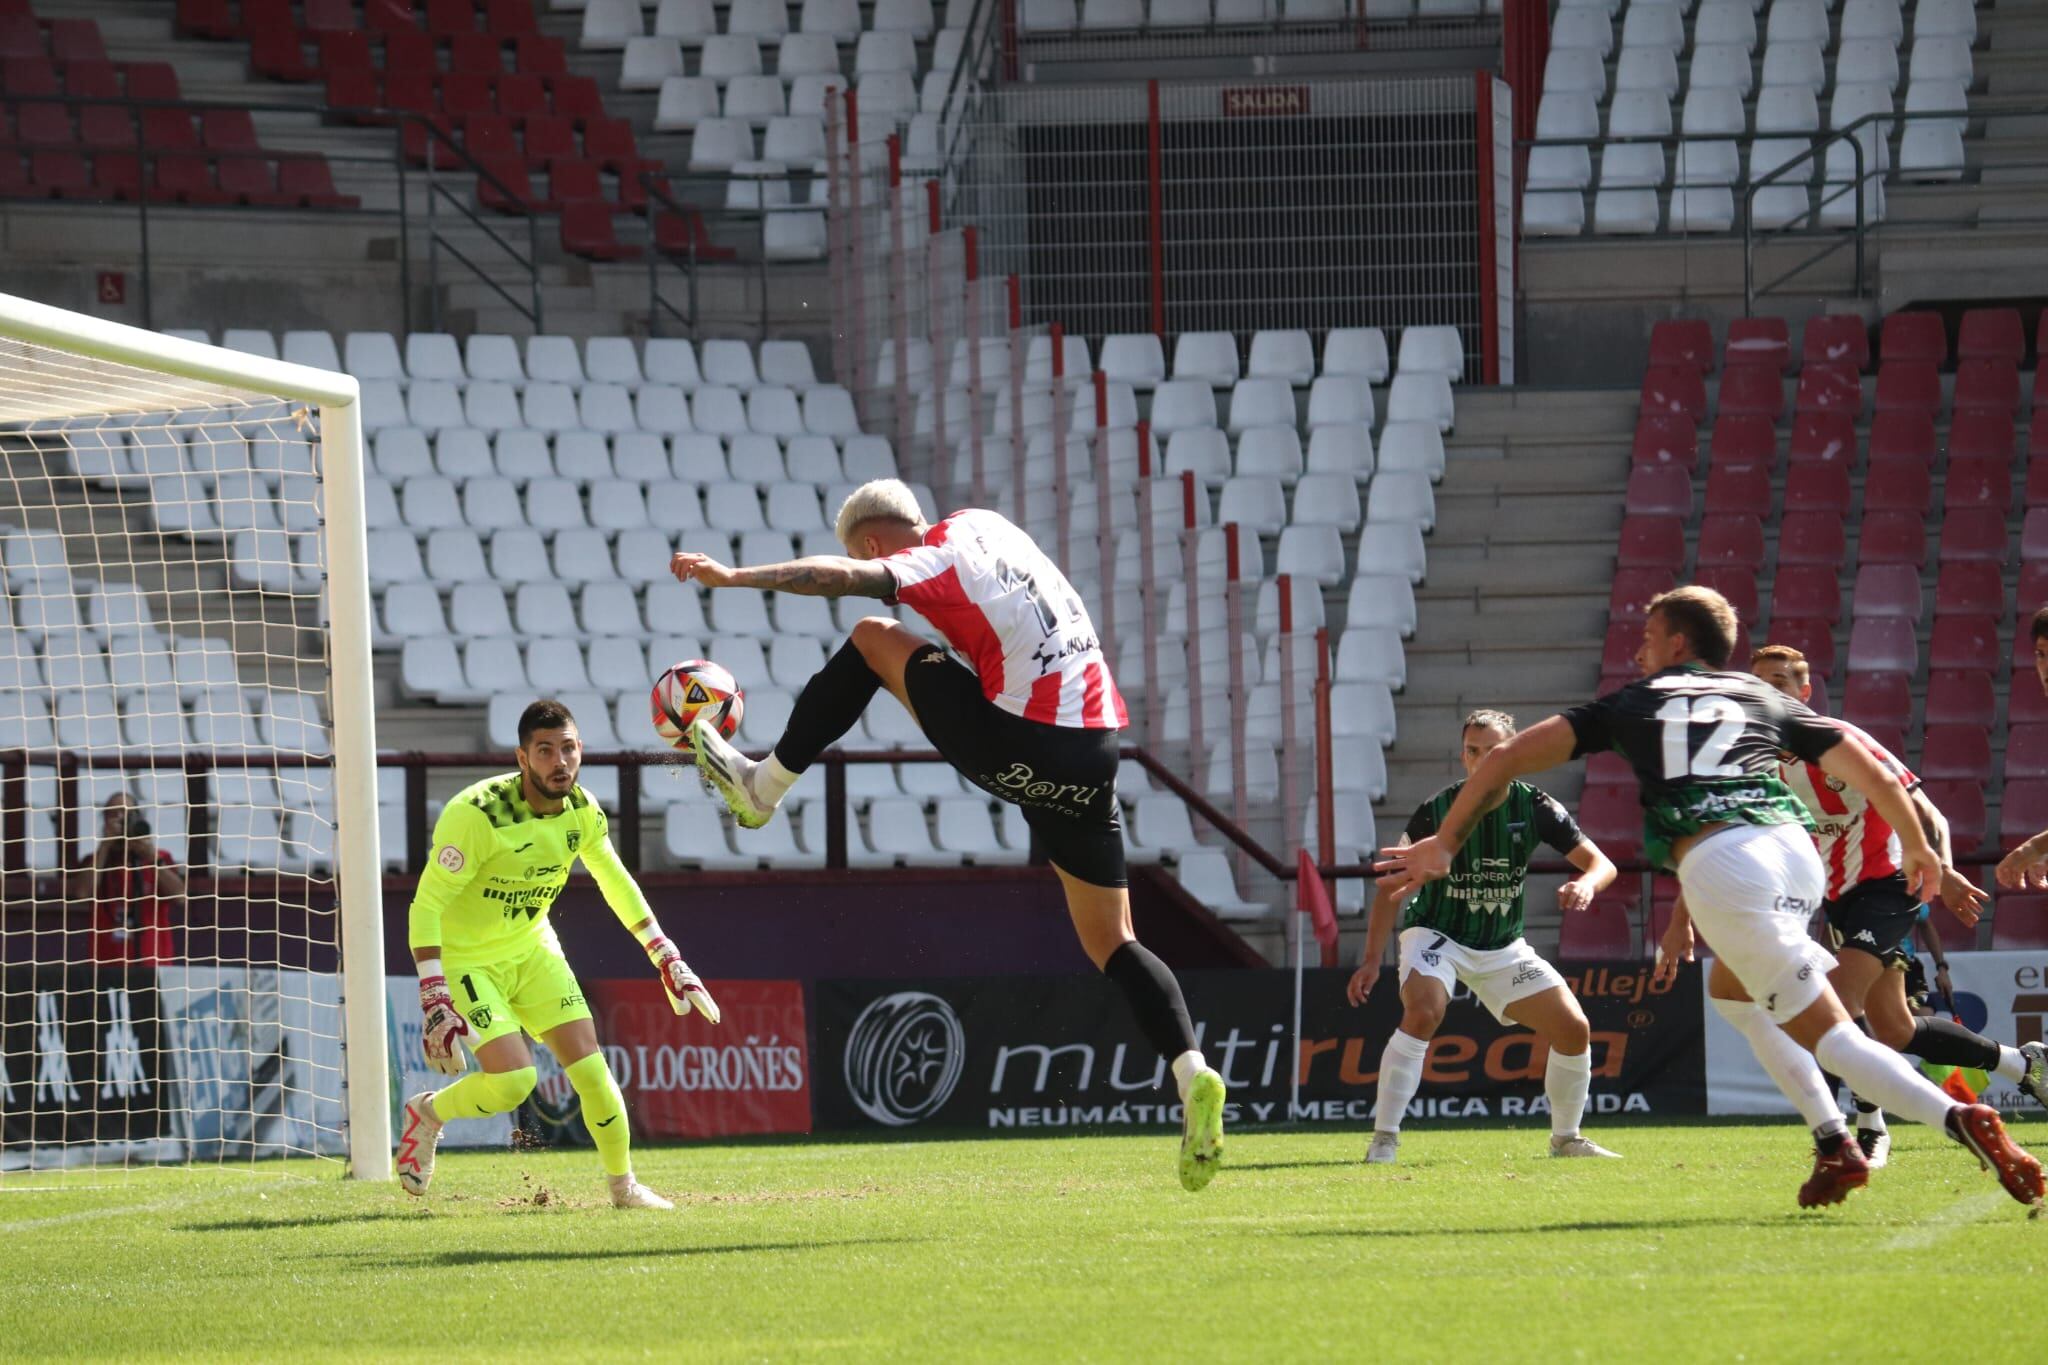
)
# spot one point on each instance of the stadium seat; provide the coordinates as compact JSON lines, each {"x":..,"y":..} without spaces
{"x":1896,"y":436}
{"x":1973,"y":533}
{"x":1878,"y":699}
{"x":1959,"y":696}
{"x":1661,"y":490}
{"x":1829,"y":387}
{"x":1682,"y":342}
{"x":1956,"y":753}
{"x":1760,"y":341}
{"x":1977,"y":482}
{"x":1736,"y":489}
{"x":1356,"y":351}
{"x":1674,"y":392}
{"x":1887,"y":590}
{"x":1753,"y":390}
{"x":1665,"y":440}
{"x":1883,"y":644}
{"x":1739,"y":441}
{"x":1605,"y":930}
{"x":1735,"y":539}
{"x":1836,"y":339}
{"x":1807,"y":591}
{"x":1809,"y":636}
{"x":1893,"y":537}
{"x":1612,"y":818}
{"x":1895,"y":485}
{"x":1651,"y":543}
{"x":1987,"y":384}
{"x":1965,"y":642}
{"x":2026,"y":752}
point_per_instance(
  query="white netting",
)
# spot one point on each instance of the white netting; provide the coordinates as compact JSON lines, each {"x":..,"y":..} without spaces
{"x":169,"y":935}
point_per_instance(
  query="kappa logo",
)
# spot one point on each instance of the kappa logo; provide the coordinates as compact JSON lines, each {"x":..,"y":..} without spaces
{"x":1864,"y":936}
{"x":904,"y":1056}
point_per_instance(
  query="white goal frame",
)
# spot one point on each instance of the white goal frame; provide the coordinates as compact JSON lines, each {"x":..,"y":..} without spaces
{"x":358,"y":860}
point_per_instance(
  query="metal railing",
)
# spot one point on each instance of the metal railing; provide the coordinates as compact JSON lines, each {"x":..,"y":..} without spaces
{"x":1263,"y":28}
{"x":440,"y":197}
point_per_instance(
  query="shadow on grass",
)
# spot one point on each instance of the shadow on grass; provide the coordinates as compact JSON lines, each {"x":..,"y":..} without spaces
{"x":311,"y":1220}
{"x":1289,"y":1165}
{"x":454,"y":1259}
{"x":1586,"y":1225}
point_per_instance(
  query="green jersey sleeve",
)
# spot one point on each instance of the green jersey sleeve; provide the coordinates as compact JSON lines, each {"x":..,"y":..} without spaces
{"x":614,"y":882}
{"x":462,"y":842}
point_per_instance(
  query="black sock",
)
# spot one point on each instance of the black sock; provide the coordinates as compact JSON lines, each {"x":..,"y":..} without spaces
{"x":1830,"y":1139}
{"x":827,"y":708}
{"x":1947,"y":1043}
{"x":1155,"y":997}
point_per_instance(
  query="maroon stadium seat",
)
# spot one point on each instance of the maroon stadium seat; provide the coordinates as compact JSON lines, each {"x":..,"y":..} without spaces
{"x":44,"y":126}
{"x":117,"y":175}
{"x":1732,"y":539}
{"x":517,"y":196}
{"x":1970,"y":588}
{"x":1959,"y":753}
{"x":1892,"y":739}
{"x":2026,"y":751}
{"x":412,"y":92}
{"x":1903,"y":436}
{"x":409,"y":50}
{"x":21,"y":36}
{"x":1830,"y":388}
{"x":2034,"y":534}
{"x":1959,"y":697}
{"x":281,"y":55}
{"x":1823,"y":436}
{"x":1887,"y":590}
{"x":550,"y":138}
{"x":522,"y":97}
{"x":1752,"y":389}
{"x":1883,"y":644}
{"x":2025,"y":703}
{"x":1632,"y":590}
{"x":2022,"y":812}
{"x":91,"y":80}
{"x":228,"y":130}
{"x":1878,"y":699}
{"x":2033,"y":591}
{"x":1836,"y":339}
{"x":1991,"y":334}
{"x":2019,"y":923}
{"x":467,"y":95}
{"x":151,"y":81}
{"x":1807,"y":590}
{"x":420,"y":144}
{"x":587,"y":231}
{"x":479,"y":52}
{"x":267,"y":16}
{"x":1738,"y":585}
{"x":490,"y":135}
{"x":1646,"y":542}
{"x":1893,"y":538}
{"x":1979,"y":482}
{"x":574,"y":97}
{"x":106,"y":127}
{"x":1659,"y":440}
{"x":451,"y":16}
{"x":14,"y":179}
{"x":1991,"y":385}
{"x":1608,"y":769}
{"x":609,"y":143}
{"x":509,"y":17}
{"x":1612,"y":817}
{"x":1817,"y":488}
{"x":252,"y":180}
{"x":60,"y":173}
{"x":381,"y":16}
{"x":76,"y":40}
{"x":539,"y":55}
{"x":355,"y":90}
{"x":206,"y":19}
{"x":574,"y":182}
{"x":1811,"y":538}
{"x":31,"y":75}
{"x":1896,"y":485}
{"x":1908,"y":386}
{"x":1740,"y":490}
{"x":1810,"y":636}
{"x":187,"y":178}
{"x":1758,"y":341}
{"x":1683,"y":343}
{"x":1653,"y":490}
{"x":327,"y":16}
{"x":1740,"y":441}
{"x":1973,"y":533}
{"x":684,"y":234}
{"x":308,"y":181}
{"x":345,"y":51}
{"x":1604,"y":930}
{"x":1981,"y":434}
{"x":1618,"y":646}
{"x":1674,"y":393}
{"x":1913,"y":337}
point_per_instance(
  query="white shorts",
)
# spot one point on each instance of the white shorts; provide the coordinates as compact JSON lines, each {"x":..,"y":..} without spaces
{"x":1497,"y":976}
{"x":1752,"y":891}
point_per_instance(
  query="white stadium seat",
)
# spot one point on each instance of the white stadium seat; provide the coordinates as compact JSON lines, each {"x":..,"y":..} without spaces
{"x":1327,"y":500}
{"x":607,"y":24}
{"x":1210,"y":357}
{"x":649,"y":62}
{"x":1287,"y":355}
{"x":1356,"y":351}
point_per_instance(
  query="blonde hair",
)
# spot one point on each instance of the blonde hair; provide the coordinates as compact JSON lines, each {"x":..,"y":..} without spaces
{"x":876,"y":500}
{"x":1784,"y":654}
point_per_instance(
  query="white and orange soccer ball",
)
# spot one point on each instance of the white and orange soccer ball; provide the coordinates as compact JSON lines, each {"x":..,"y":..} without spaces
{"x":693,"y":688}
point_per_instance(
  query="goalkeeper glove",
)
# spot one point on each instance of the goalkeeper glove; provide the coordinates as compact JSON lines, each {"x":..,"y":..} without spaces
{"x":683,"y":987}
{"x":443,"y":1024}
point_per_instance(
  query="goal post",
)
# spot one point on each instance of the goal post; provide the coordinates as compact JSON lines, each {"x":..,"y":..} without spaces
{"x":246,"y":475}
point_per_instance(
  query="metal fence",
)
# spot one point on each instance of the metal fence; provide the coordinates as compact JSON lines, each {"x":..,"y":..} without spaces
{"x":1137,"y":34}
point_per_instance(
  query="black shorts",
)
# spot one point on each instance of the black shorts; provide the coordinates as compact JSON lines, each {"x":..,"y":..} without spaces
{"x":1875,"y":917}
{"x":1062,"y":778}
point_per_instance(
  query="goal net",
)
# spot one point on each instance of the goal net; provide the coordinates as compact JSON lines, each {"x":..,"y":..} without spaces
{"x":190,"y":940}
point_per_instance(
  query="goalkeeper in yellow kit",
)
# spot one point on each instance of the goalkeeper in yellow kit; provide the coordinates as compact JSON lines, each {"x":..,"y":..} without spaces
{"x":502,"y":853}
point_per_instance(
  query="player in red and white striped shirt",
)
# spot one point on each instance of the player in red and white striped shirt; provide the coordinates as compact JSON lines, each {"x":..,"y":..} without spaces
{"x":1025,"y":707}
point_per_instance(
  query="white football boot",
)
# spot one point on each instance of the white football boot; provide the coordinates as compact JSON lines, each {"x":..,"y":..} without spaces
{"x":1576,"y":1145}
{"x":416,"y":1144}
{"x":1384,"y":1150}
{"x":628,"y":1193}
{"x":729,"y":773}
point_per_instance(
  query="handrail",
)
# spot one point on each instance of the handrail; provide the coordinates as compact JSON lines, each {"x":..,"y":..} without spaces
{"x":655,"y":185}
{"x":437,"y":135}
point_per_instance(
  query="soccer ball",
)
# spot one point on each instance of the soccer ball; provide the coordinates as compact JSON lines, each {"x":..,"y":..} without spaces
{"x":692,"y":688}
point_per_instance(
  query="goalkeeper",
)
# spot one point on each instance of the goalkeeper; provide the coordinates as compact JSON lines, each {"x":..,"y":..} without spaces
{"x":502,"y":853}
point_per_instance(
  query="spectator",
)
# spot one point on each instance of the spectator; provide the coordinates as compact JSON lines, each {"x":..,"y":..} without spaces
{"x":136,"y":889}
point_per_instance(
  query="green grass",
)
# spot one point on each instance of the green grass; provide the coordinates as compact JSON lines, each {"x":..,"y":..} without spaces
{"x":1476,"y":1247}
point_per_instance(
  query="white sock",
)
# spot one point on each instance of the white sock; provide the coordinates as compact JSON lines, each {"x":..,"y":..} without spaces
{"x":1184,"y":1068}
{"x":2012,"y":1064}
{"x":1789,"y":1065}
{"x":769,"y":780}
{"x":1875,"y":1071}
{"x":1565,"y":1082}
{"x":1400,"y":1078}
{"x":1871,"y":1120}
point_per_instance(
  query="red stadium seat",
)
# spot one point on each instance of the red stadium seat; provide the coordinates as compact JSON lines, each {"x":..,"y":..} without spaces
{"x":1903,"y":436}
{"x":479,"y":52}
{"x":420,"y":143}
{"x":90,"y":80}
{"x":1646,"y":542}
{"x":1830,"y":388}
{"x":1817,"y":488}
{"x":354,"y":91}
{"x":490,"y":135}
{"x":587,"y":231}
{"x":14,"y":179}
{"x":346,"y":51}
{"x":60,"y":173}
{"x":1970,"y":588}
{"x":1660,"y":440}
{"x":1744,"y":490}
{"x":106,"y":127}
{"x":1913,"y":337}
{"x":1809,"y":636}
{"x":1807,"y":590}
{"x":45,"y":126}
{"x":1969,"y":642}
{"x":509,"y":17}
{"x":2025,"y":703}
{"x":150,"y":81}
{"x":328,"y":16}
{"x":539,"y":55}
{"x":1632,"y":590}
{"x":1973,"y":533}
{"x":1736,"y":584}
{"x":574,"y":182}
{"x":1896,"y":485}
{"x":2034,"y":535}
{"x":1811,"y":538}
{"x":1758,"y":341}
{"x":1893,"y":538}
{"x":1892,"y":739}
{"x":509,"y":189}
{"x":409,"y":50}
{"x":1887,"y":590}
{"x":1823,"y":436}
{"x":2022,"y":812}
{"x":2026,"y":752}
{"x":2033,"y":591}
{"x":1959,"y":697}
{"x":1979,"y":483}
{"x":467,"y":95}
{"x":412,"y":92}
{"x":684,"y":235}
{"x":1684,"y":343}
{"x":1981,"y":434}
{"x":1603,"y":931}
{"x":609,"y":143}
{"x":1991,"y":334}
{"x":76,"y":40}
{"x":1991,"y":385}
{"x":1734,"y":539}
{"x":522,"y":97}
{"x":117,"y":175}
{"x":1883,"y":644}
{"x":1608,"y":769}
{"x":2019,"y":923}
{"x":1740,"y":441}
{"x":1955,"y":936}
{"x":32,"y":75}
{"x":1674,"y":393}
{"x":21,"y":36}
{"x":451,"y":16}
{"x":228,"y":130}
{"x":1817,"y":694}
{"x":308,"y":181}
{"x":382,"y":16}
{"x":1878,"y":699}
{"x":574,"y":97}
{"x":1908,"y":386}
{"x":1757,"y":390}
{"x":1612,"y":817}
{"x":1836,"y":339}
{"x":1653,"y":490}
{"x":1960,"y":753}
{"x":280,"y":54}
{"x":1618,"y":646}
{"x":186,"y":178}
{"x":206,"y":19}
{"x":252,"y":180}
{"x":550,"y":138}
{"x":267,"y":16}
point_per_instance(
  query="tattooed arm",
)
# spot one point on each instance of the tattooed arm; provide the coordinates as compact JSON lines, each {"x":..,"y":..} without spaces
{"x":813,"y":576}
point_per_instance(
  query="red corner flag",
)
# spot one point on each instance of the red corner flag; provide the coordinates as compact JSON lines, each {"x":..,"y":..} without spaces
{"x":1312,"y":898}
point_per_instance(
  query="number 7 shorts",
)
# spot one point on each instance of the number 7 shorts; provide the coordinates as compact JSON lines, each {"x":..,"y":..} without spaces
{"x":1752,"y":891}
{"x":537,"y":992}
{"x":1497,"y":976}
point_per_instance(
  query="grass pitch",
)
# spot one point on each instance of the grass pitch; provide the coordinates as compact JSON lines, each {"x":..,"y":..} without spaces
{"x":1476,"y":1247}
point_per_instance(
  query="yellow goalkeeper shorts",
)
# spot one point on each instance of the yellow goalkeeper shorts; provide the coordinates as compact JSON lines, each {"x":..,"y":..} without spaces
{"x":536,"y":992}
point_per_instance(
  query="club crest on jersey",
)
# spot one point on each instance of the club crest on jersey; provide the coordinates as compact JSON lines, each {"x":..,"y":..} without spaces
{"x":575,"y":839}
{"x":1836,"y":784}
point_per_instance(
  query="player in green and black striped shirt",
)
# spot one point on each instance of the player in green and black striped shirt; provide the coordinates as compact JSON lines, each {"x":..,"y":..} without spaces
{"x":1468,"y":927}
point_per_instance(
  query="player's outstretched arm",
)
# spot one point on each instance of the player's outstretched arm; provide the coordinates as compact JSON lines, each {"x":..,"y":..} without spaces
{"x":1852,"y":763}
{"x":622,"y":893}
{"x":1543,"y":745}
{"x":1962,"y":899}
{"x":2026,"y":867}
{"x":1596,"y":873}
{"x":461,"y":840}
{"x":1378,"y":928}
{"x":813,"y":576}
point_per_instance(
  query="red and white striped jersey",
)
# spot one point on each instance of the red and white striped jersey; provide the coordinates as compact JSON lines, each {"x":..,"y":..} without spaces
{"x":1856,"y":843}
{"x":1013,"y":617}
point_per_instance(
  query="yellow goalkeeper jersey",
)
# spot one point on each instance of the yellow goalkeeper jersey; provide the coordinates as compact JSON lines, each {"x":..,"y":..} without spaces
{"x":497,"y":866}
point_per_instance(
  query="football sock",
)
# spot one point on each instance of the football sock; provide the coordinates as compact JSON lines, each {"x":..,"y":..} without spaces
{"x":1947,"y":1043}
{"x":1184,"y":1068}
{"x":1789,"y":1065}
{"x":769,"y":780}
{"x":604,"y":1112}
{"x":482,"y":1093}
{"x":2012,"y":1064}
{"x":827,"y":708}
{"x":1883,"y":1075}
{"x":1155,"y":999}
{"x":1401,"y":1077}
{"x":1869,"y":1117}
{"x":1565,"y":1082}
